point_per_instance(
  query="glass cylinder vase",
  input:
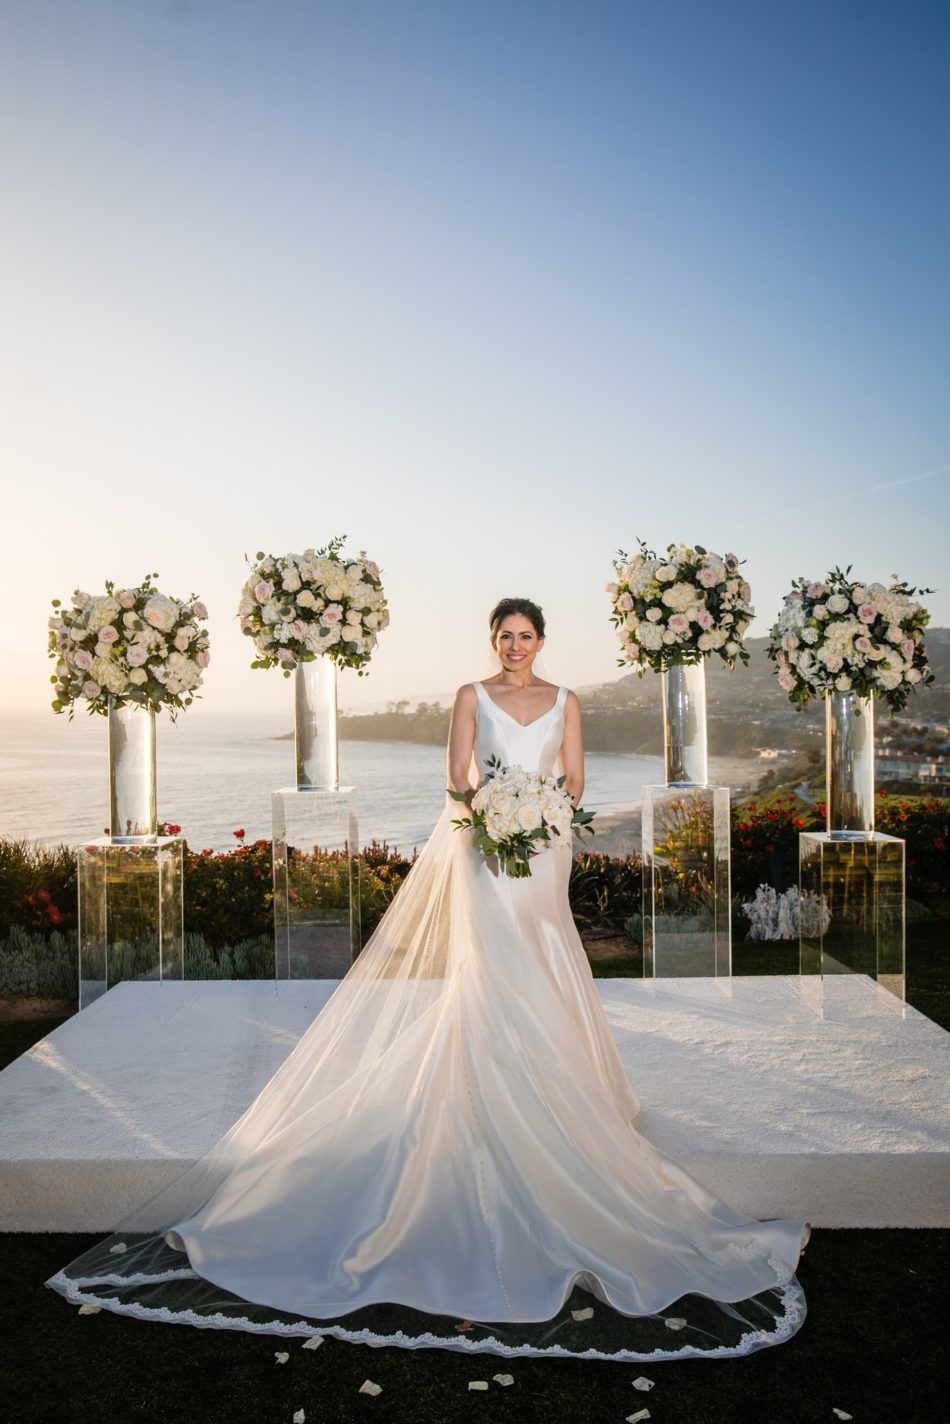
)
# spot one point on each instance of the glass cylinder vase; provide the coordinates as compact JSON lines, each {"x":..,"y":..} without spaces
{"x":684,"y":724}
{"x":849,"y":766}
{"x":132,"y":818}
{"x":315,"y":726}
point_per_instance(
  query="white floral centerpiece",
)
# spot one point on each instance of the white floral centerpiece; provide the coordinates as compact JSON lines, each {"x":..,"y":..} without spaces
{"x":838,"y":634}
{"x":320,"y":603}
{"x":127,"y":646}
{"x":517,"y":813}
{"x":679,"y":608}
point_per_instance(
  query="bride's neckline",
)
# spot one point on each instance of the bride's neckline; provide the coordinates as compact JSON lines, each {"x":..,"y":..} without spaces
{"x":504,"y":713}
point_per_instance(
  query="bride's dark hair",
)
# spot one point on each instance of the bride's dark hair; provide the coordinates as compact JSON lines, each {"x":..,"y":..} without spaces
{"x":506,"y":607}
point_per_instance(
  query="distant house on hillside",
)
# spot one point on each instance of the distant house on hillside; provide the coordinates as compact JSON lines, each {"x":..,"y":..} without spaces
{"x":911,"y":766}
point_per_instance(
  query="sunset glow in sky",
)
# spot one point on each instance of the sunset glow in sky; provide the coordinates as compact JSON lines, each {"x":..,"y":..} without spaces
{"x":492,"y":288}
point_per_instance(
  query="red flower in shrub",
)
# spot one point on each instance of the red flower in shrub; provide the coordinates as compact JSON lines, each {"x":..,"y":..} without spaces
{"x":173,"y":830}
{"x":239,"y":834}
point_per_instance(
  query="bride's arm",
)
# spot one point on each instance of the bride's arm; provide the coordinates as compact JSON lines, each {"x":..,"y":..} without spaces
{"x":572,"y":749}
{"x":462,"y":740}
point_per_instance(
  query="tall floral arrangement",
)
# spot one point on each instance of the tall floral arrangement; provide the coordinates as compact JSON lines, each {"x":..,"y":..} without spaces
{"x":320,"y":603}
{"x":679,"y":608}
{"x":128,"y":645}
{"x":839,"y":634}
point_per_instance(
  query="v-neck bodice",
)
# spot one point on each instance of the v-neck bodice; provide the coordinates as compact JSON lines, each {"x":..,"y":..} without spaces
{"x":533,"y":746}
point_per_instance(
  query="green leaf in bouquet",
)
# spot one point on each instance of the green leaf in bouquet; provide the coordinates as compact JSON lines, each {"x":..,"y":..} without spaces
{"x":456,"y":795}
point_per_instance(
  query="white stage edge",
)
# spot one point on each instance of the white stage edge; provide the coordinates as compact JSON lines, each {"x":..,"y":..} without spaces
{"x":825,"y":1100}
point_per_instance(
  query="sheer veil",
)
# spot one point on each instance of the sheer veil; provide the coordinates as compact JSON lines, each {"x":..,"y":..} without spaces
{"x":388,"y":1048}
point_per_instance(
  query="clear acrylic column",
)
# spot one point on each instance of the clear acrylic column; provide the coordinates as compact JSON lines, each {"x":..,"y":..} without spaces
{"x":130,"y":917}
{"x":316,"y":842}
{"x":686,"y":879}
{"x":851,"y":877}
{"x":131,"y":881}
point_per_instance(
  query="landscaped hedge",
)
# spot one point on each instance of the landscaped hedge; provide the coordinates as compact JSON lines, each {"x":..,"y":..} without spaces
{"x":229,"y":894}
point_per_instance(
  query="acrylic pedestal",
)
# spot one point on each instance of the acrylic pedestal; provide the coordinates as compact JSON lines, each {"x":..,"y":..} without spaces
{"x":686,"y":890}
{"x":316,"y":883}
{"x":852,"y":907}
{"x":130,"y":917}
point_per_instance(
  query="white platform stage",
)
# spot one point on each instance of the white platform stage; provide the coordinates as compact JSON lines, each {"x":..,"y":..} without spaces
{"x":822,"y":1100}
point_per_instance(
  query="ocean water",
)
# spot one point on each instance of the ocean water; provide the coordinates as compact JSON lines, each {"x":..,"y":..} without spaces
{"x":216,"y":774}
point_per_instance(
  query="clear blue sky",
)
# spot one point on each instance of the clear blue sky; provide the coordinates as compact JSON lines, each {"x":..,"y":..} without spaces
{"x":491,"y":287}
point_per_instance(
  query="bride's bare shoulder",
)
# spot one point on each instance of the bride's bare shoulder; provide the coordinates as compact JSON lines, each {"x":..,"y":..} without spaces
{"x":466,"y":695}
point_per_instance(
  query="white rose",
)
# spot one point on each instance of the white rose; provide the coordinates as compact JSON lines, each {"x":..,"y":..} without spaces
{"x":305,"y":598}
{"x":160,"y":612}
{"x":529,"y":816}
{"x":843,"y":683}
{"x":837,"y":603}
{"x":809,"y":635}
{"x":138,"y":676}
{"x":335,"y":591}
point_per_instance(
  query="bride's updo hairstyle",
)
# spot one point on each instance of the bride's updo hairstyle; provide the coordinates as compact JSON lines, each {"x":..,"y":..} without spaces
{"x":507,"y":607}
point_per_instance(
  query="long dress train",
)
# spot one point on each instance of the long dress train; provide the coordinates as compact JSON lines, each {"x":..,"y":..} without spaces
{"x":449,"y":1156}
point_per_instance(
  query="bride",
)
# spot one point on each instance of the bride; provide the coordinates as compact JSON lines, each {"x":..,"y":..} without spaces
{"x":449,"y":1156}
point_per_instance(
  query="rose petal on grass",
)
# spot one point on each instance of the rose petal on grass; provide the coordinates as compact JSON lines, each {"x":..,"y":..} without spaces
{"x":478,"y":1384}
{"x":313,"y":1343}
{"x":89,"y":1309}
{"x":368,"y":1387}
{"x":281,"y":1356}
{"x":583,"y":1314}
{"x":503,"y":1379}
{"x":299,"y":1417}
{"x":640,"y":1414}
{"x":118,"y":1249}
{"x":464,"y":1325}
{"x":674,"y":1322}
{"x":840,"y":1413}
{"x":641,"y":1382}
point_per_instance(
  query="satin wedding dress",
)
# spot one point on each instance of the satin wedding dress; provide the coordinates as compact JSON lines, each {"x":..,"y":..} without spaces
{"x":449,"y":1157}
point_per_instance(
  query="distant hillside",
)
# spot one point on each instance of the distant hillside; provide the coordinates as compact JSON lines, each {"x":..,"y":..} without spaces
{"x":748,"y":712}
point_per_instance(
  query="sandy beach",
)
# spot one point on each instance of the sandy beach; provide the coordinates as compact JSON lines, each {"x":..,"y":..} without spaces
{"x":619,"y":832}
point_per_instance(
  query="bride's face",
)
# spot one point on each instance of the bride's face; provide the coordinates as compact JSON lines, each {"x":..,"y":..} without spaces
{"x":517,"y":644}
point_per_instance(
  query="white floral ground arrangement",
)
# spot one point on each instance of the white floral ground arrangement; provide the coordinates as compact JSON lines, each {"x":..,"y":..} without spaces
{"x":680,"y":608}
{"x":517,"y":814}
{"x":128,"y":645}
{"x":839,"y":634}
{"x":321,"y":603}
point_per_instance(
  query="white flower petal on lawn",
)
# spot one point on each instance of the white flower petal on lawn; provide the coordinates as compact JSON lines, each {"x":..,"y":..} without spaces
{"x":674,"y":1322}
{"x":583,"y":1314}
{"x":640,"y":1414}
{"x":841,"y":1413}
{"x":368,"y":1387}
{"x":299,"y":1417}
{"x":478,"y":1384}
{"x":503,"y":1379}
{"x":118,"y":1249}
{"x":313,"y":1343}
{"x":281,"y":1356}
{"x":642,"y":1383}
{"x":89,"y":1309}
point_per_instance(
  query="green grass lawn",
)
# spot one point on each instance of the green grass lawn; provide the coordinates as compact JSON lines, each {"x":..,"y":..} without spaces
{"x":873,"y":1345}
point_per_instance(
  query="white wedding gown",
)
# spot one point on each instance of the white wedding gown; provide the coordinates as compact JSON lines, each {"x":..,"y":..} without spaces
{"x":449,"y":1156}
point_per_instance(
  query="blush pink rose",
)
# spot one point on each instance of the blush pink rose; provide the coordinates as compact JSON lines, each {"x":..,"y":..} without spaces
{"x":263,"y":591}
{"x":90,"y":689}
{"x":200,"y":611}
{"x":82,"y":660}
{"x":108,"y":634}
{"x":863,"y":645}
{"x":136,"y":654}
{"x":867,"y":613}
{"x":372,"y":569}
{"x":203,"y":658}
{"x":704,"y":618}
{"x":745,"y":593}
{"x":816,"y":590}
{"x":786,"y":680}
{"x":908,"y":647}
{"x":624,"y":603}
{"x":331,"y":616}
{"x":284,"y":655}
{"x":296,"y":629}
{"x":679,"y":623}
{"x":707,"y":577}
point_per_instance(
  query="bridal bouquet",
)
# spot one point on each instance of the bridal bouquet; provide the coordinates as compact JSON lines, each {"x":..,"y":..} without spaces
{"x":837,"y":634}
{"x":679,"y":608}
{"x":516,"y":813}
{"x":127,"y":645}
{"x":319,"y":603}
